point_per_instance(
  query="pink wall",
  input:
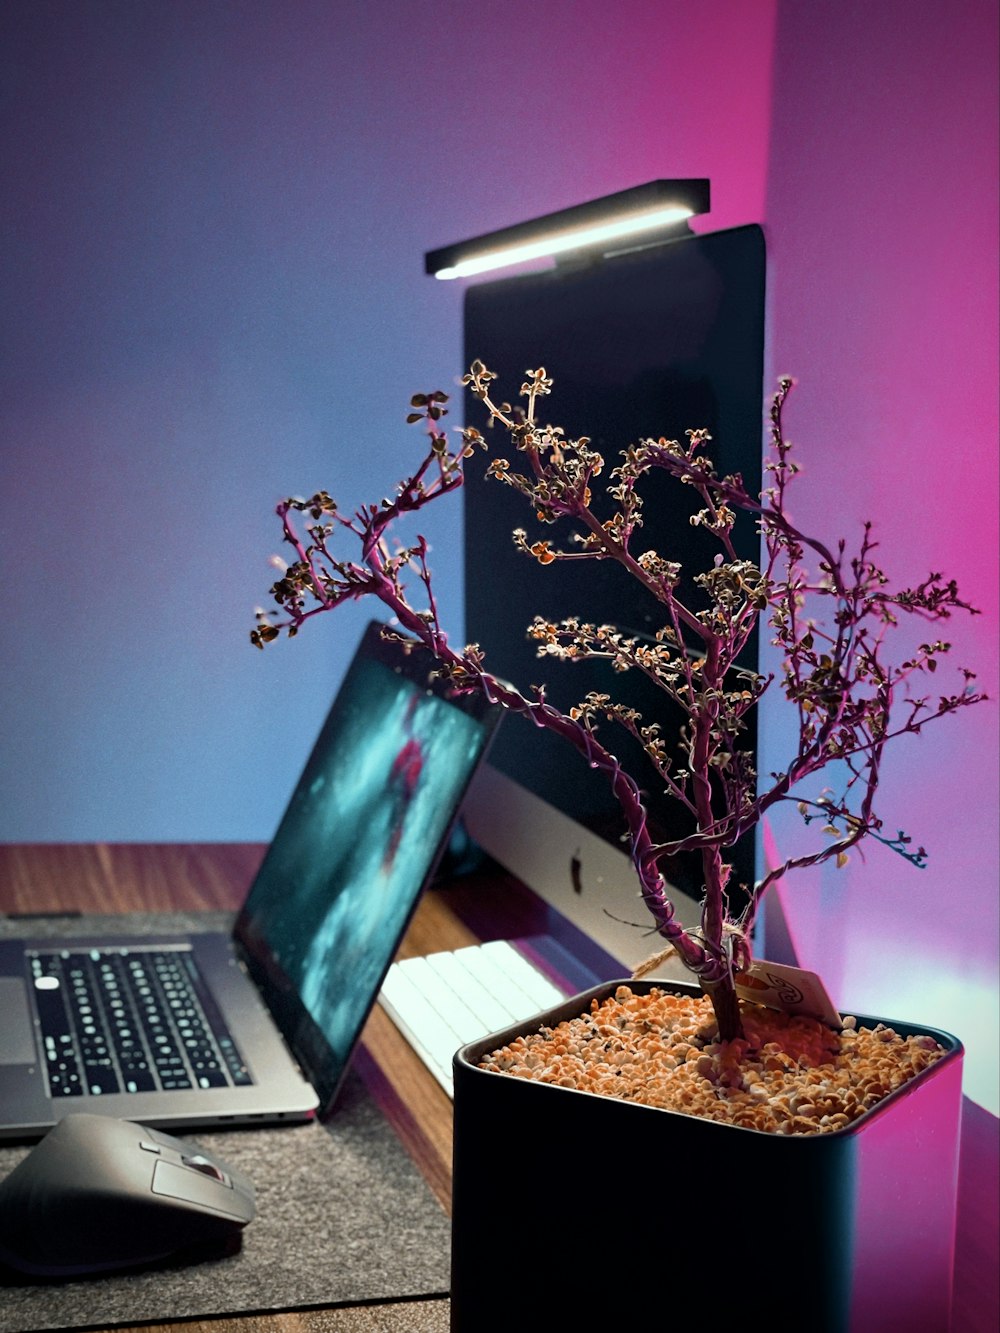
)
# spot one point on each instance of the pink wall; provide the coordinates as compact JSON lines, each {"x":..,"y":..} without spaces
{"x":882,"y":228}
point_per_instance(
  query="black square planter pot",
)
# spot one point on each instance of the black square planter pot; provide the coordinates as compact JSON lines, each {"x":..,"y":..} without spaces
{"x":569,"y":1207}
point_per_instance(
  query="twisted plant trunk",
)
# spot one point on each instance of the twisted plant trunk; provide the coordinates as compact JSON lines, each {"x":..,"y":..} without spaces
{"x":726,"y":1006}
{"x":717,"y":980}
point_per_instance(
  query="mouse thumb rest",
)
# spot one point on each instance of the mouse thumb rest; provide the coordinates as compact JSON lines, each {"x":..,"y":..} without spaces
{"x":98,"y":1193}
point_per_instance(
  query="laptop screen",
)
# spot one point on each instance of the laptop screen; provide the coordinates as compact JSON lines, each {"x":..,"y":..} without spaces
{"x":360,"y":838}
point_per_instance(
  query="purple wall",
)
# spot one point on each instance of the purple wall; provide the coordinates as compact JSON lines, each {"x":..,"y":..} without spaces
{"x":882,"y":229}
{"x":213,"y":295}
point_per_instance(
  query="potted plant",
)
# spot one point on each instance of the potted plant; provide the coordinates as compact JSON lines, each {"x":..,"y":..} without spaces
{"x":554,"y":1167}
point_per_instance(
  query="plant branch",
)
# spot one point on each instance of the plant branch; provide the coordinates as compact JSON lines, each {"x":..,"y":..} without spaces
{"x":831,"y":627}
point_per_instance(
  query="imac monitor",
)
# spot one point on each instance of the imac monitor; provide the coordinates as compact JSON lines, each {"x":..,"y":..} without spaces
{"x":650,"y":342}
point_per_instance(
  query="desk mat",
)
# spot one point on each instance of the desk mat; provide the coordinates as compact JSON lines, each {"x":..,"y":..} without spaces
{"x":343,"y":1214}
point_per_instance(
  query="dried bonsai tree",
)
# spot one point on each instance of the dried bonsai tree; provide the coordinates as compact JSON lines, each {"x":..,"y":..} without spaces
{"x":830,"y":615}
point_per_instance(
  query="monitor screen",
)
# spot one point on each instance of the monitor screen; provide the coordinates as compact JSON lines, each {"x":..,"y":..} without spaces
{"x":652,"y":342}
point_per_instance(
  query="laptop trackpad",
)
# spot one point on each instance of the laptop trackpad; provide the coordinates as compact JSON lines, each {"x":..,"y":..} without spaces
{"x":17,"y":1043}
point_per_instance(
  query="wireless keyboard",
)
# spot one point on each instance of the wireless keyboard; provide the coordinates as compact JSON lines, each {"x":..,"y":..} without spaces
{"x":444,"y":1000}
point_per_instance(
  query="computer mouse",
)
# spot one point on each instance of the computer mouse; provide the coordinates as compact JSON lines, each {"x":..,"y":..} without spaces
{"x":99,"y":1193}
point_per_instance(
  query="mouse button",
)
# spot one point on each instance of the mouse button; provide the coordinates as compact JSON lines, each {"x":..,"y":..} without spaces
{"x":163,"y":1140}
{"x":94,"y":1151}
{"x":187,"y":1186}
{"x":104,"y":1163}
{"x":199,"y":1162}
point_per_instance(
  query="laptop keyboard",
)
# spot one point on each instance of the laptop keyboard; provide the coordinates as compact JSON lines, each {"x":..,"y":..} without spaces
{"x":130,"y":1020}
{"x":444,"y":1000}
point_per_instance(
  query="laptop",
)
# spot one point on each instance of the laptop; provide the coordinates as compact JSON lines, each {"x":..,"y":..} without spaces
{"x":258,"y":1025}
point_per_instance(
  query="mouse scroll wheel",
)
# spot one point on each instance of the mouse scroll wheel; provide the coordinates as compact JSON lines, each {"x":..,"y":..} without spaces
{"x":203,"y":1165}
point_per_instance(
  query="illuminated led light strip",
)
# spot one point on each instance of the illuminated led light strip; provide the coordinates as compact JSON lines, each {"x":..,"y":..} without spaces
{"x":598,"y":225}
{"x":613,"y":229}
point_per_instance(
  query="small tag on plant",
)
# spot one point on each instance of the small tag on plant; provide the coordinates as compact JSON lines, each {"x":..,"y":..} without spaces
{"x":789,"y":988}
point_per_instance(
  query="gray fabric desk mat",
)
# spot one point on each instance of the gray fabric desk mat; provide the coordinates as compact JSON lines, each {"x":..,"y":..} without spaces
{"x":343,"y":1215}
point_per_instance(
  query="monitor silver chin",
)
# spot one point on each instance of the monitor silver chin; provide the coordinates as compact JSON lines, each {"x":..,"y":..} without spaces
{"x":582,"y":876}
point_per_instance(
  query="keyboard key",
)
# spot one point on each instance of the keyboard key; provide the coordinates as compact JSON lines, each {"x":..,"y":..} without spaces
{"x":448,"y":999}
{"x":512,"y":963}
{"x":475,"y":1006}
{"x":424,"y":1027}
{"x":130,"y":1020}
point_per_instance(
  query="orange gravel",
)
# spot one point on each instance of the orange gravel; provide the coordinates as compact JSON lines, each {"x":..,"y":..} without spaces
{"x":792,"y":1074}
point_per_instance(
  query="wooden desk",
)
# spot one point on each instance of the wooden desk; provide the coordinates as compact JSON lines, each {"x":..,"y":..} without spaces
{"x":88,"y":878}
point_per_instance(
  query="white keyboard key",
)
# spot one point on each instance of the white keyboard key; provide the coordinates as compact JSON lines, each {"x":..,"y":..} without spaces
{"x":490,"y":1010}
{"x":420,"y":1024}
{"x":516,"y":999}
{"x":427,"y":979}
{"x":544,"y":992}
{"x":442,"y":1002}
{"x":418,"y":1019}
